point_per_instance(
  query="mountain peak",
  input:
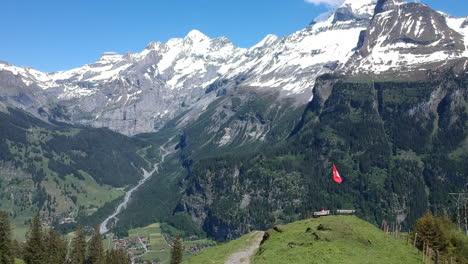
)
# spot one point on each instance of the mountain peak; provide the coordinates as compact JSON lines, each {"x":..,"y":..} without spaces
{"x":356,"y":4}
{"x":197,"y":36}
{"x":270,"y":38}
{"x":154,"y":45}
{"x":385,"y":5}
{"x":4,"y":63}
{"x":356,"y":9}
{"x":110,"y":57}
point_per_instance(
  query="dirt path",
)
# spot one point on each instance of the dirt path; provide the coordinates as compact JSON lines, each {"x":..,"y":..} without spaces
{"x":243,"y":257}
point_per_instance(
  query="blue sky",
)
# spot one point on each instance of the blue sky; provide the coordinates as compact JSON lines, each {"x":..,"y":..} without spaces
{"x":52,"y":35}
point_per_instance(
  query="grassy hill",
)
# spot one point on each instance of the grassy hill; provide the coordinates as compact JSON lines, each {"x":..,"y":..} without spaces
{"x":332,"y":239}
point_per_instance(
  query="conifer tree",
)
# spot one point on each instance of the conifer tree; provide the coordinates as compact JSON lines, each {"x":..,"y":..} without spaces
{"x":117,"y":256}
{"x":95,"y":248}
{"x":6,"y":251}
{"x":17,"y":248}
{"x":56,"y":247}
{"x":34,"y":252}
{"x":176,"y":251}
{"x":78,"y":247}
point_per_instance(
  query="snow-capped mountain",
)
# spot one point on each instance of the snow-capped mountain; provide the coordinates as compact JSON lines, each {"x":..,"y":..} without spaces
{"x":135,"y":93}
{"x":408,"y":37}
{"x":132,"y":93}
{"x":291,"y":65}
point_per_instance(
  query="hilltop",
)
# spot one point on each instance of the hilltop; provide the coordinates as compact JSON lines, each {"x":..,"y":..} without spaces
{"x":332,"y":239}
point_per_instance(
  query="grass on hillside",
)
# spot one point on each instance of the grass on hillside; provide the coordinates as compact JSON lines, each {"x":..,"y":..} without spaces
{"x":220,"y":253}
{"x":90,"y":197}
{"x":334,"y":239}
{"x":20,"y":232}
{"x":339,"y":239}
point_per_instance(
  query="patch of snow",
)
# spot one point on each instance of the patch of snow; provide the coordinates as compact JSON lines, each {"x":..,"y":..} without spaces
{"x":268,"y":40}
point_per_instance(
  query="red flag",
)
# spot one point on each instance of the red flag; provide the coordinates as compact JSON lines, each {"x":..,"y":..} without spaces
{"x":336,"y":175}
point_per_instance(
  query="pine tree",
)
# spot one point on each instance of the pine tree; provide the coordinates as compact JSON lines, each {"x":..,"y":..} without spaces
{"x":17,"y":248}
{"x":78,"y":247}
{"x":56,"y":247}
{"x":6,"y":251}
{"x":117,"y":256}
{"x":176,"y":251}
{"x":34,"y":252}
{"x":95,"y":248}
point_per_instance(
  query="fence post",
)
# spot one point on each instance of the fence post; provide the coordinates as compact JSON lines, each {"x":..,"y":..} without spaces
{"x":424,"y":252}
{"x":408,"y":237}
{"x":415,"y":237}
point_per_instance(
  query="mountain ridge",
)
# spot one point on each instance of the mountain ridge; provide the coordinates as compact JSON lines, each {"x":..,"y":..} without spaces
{"x":140,"y":92}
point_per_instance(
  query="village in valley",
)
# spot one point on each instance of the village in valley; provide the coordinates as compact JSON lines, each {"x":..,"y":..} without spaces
{"x":144,"y":245}
{"x":150,"y":245}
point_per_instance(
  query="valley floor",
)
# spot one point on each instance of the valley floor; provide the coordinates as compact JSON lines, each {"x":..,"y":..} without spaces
{"x":150,"y":243}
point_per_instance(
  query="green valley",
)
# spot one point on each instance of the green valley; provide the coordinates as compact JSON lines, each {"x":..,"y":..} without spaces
{"x":154,"y":243}
{"x":66,"y":173}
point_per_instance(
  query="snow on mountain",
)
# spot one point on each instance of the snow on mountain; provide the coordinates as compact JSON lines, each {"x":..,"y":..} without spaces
{"x":29,"y":75}
{"x":138,"y":92}
{"x":360,"y":8}
{"x":408,"y":37}
{"x":461,"y":26}
{"x":291,"y":65}
{"x":135,"y":93}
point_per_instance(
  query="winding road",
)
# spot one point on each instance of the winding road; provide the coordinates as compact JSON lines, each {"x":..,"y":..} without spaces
{"x":103,"y":228}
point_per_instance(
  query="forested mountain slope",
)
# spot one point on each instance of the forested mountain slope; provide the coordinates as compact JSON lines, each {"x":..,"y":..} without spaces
{"x":60,"y":170}
{"x":400,"y":146}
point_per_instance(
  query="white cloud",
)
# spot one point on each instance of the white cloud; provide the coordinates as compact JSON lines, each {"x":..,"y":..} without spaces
{"x":331,"y":3}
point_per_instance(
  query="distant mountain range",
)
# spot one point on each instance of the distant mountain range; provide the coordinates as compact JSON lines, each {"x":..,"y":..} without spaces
{"x":137,"y":93}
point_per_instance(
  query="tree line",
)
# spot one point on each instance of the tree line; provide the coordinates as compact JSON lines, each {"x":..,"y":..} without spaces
{"x":46,"y":245}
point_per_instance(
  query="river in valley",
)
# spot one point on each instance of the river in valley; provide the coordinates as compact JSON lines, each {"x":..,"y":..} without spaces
{"x":112,"y":219}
